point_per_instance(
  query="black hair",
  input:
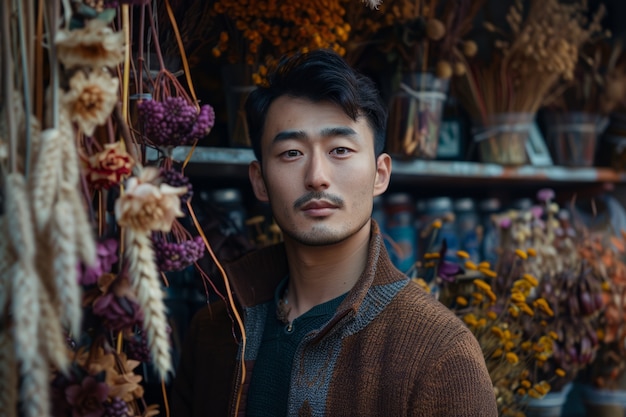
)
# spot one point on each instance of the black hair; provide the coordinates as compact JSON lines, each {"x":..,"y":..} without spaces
{"x":319,"y":75}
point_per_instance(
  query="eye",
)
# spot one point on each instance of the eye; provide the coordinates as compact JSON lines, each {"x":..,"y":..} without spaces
{"x":341,"y":151}
{"x":292,"y":153}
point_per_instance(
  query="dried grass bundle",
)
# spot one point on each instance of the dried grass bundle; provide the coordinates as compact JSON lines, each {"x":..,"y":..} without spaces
{"x":526,"y":67}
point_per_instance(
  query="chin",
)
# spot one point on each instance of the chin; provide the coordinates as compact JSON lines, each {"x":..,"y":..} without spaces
{"x":321,"y":235}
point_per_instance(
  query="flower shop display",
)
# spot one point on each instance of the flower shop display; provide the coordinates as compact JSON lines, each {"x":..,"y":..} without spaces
{"x":423,"y":43}
{"x":534,"y":311}
{"x":92,"y":225}
{"x":523,"y":72}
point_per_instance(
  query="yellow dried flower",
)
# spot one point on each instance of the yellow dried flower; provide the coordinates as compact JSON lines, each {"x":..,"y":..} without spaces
{"x":482,"y":285}
{"x":462,"y":254}
{"x":471,"y":265}
{"x":521,"y":254}
{"x":531,"y":279}
{"x":462,"y":301}
{"x":512,"y":358}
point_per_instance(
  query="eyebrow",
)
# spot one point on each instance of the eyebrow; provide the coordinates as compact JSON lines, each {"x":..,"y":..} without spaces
{"x":325,"y":132}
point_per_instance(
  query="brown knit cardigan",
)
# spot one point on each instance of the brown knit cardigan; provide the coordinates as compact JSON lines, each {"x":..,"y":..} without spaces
{"x":390,"y":350}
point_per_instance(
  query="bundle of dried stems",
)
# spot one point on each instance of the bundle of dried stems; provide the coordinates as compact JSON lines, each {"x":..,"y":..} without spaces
{"x":526,"y":66}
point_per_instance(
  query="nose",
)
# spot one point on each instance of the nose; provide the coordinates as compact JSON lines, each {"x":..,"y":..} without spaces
{"x":317,"y":175}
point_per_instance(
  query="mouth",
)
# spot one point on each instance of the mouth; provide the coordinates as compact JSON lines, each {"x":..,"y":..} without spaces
{"x":318,"y":208}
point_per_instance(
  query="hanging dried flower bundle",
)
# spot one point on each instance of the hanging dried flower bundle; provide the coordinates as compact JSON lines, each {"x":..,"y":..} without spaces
{"x":81,"y":292}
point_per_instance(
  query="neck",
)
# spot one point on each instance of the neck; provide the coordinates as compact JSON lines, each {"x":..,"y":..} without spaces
{"x":319,"y":274}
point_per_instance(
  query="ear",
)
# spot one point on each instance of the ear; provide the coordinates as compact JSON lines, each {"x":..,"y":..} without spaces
{"x":257,"y":181}
{"x":383,"y":174}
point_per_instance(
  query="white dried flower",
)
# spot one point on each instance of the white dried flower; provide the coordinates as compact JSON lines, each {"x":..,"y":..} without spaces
{"x":95,"y":46}
{"x":91,"y":99}
{"x":147,"y":205}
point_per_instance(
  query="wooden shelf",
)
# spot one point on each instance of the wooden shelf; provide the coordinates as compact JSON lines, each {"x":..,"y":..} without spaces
{"x":233,"y":163}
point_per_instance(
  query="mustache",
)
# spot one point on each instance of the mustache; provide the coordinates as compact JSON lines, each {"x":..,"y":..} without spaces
{"x":318,"y":195}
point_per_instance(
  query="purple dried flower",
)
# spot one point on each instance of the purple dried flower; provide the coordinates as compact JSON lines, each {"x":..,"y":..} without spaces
{"x":536,"y":211}
{"x":505,"y":222}
{"x":545,"y":194}
{"x":177,"y":179}
{"x":106,"y":257}
{"x":137,"y":348}
{"x":174,"y":121}
{"x":447,"y":270}
{"x":116,"y":408}
{"x":86,"y":399}
{"x":118,"y":312}
{"x":175,"y":256}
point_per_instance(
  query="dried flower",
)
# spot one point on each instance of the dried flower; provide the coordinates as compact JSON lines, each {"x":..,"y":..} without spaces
{"x":176,"y":256}
{"x":87,"y":399}
{"x":107,"y":168}
{"x":116,"y":304}
{"x":106,"y":256}
{"x":524,"y":71}
{"x":147,"y":205}
{"x":174,"y":121}
{"x":95,"y":46}
{"x":90,"y":99}
{"x":258,"y":36}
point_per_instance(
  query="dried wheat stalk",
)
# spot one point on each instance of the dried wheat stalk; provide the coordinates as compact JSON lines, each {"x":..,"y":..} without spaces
{"x":51,"y":333}
{"x":85,"y":240}
{"x":8,"y":375}
{"x":146,"y":284}
{"x":45,"y":177}
{"x":70,"y":186}
{"x":34,"y":387}
{"x":25,"y":307}
{"x":7,"y":260}
{"x":63,"y":239}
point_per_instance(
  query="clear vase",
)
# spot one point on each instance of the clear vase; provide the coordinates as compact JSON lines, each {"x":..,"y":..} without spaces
{"x":501,"y":138}
{"x":415,"y":113}
{"x":237,"y":84}
{"x":573,"y":136}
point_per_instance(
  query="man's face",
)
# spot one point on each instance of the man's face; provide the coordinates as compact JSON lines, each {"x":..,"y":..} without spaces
{"x":319,"y":172}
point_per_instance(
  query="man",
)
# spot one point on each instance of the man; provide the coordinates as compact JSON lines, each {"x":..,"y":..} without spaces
{"x":331,"y":327}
